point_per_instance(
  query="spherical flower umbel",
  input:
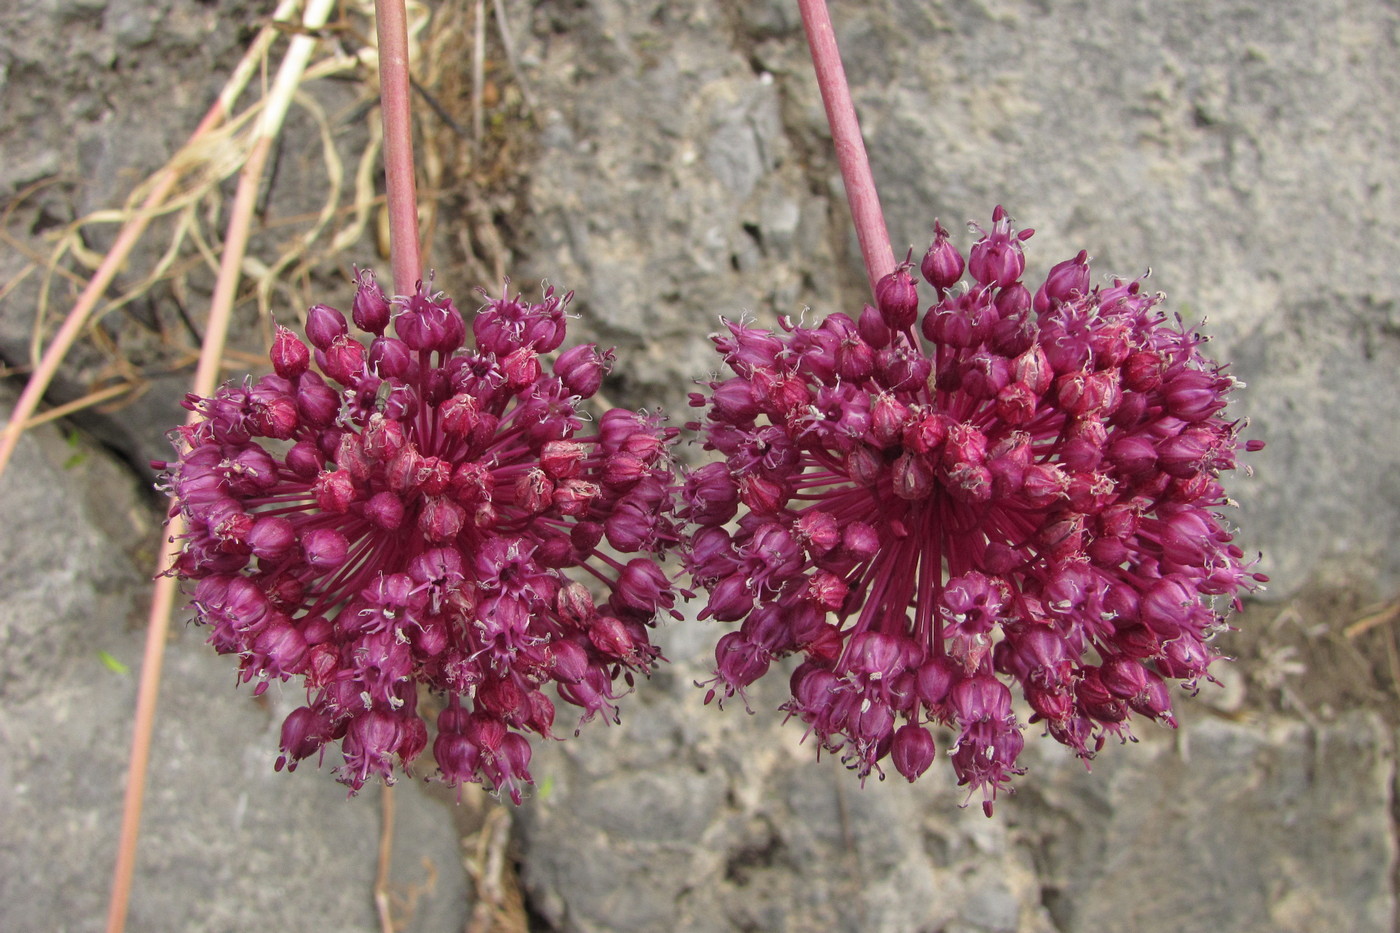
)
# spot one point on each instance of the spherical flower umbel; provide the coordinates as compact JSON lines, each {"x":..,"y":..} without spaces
{"x":420,"y":515}
{"x":1007,"y":490}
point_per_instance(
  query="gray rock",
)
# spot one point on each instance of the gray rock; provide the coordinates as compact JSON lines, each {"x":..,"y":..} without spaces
{"x":1265,"y":824}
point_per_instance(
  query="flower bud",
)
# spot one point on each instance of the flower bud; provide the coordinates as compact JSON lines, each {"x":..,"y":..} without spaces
{"x":441,"y":519}
{"x":731,"y":599}
{"x":1142,"y":371}
{"x":1194,"y":395}
{"x":575,"y":605}
{"x":581,"y":369}
{"x":942,"y":265}
{"x":281,"y":649}
{"x":864,"y":466}
{"x":305,"y":459}
{"x":997,"y":259}
{"x":826,"y":591}
{"x":572,"y":497}
{"x":290,"y":357}
{"x":385,"y":510}
{"x":317,"y":403}
{"x":390,"y":358}
{"x":343,"y":360}
{"x":861,"y":541}
{"x":304,"y":731}
{"x":980,"y":699}
{"x":1123,"y":678}
{"x":1017,"y":405}
{"x":370,"y":311}
{"x":763,"y":496}
{"x":334,"y":491}
{"x":611,"y":638}
{"x":1011,"y":303}
{"x":888,"y":416}
{"x":586,"y":535}
{"x":873,"y":329}
{"x":324,"y":548}
{"x":521,"y":367}
{"x":912,"y":477}
{"x":713,"y":495}
{"x":534,"y":491}
{"x":1154,"y":701}
{"x":986,"y":375}
{"x":948,"y":326}
{"x":818,"y":531}
{"x":912,"y":750}
{"x":569,"y":661}
{"x":1067,"y":280}
{"x":897,"y":296}
{"x":271,"y":537}
{"x":739,"y":661}
{"x":323,"y":325}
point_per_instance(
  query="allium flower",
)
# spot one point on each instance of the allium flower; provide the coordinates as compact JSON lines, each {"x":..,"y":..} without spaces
{"x":421,"y":515}
{"x":1009,"y":490}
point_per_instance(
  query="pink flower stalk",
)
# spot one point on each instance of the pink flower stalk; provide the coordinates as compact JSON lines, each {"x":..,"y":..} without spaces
{"x":418,"y":515}
{"x":1006,"y":490}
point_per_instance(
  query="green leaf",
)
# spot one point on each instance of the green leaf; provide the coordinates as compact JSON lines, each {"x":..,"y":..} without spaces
{"x":112,"y":664}
{"x":78,"y":455}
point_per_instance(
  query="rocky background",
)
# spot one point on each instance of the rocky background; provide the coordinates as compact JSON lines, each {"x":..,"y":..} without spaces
{"x":670,"y":162}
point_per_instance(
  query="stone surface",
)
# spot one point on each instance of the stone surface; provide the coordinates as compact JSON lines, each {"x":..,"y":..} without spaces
{"x":1253,"y":825}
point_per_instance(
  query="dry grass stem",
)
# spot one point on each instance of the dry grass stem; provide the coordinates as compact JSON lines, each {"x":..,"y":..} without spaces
{"x":185,"y":195}
{"x":151,"y":196}
{"x":385,"y":860}
{"x":270,"y":119}
{"x":1382,"y":616}
{"x":87,"y":401}
{"x":499,"y":907}
{"x":478,"y":72}
{"x":511,"y":58}
{"x":217,"y":150}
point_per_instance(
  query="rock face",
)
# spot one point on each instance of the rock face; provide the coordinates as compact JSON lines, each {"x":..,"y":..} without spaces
{"x":1244,"y":151}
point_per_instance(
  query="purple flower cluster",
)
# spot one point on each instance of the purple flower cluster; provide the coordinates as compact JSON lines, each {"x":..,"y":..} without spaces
{"x":416,"y":514}
{"x":1006,"y":489}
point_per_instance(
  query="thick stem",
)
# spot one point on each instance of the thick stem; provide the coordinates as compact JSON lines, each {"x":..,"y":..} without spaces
{"x":850,"y":147}
{"x":391,"y":24}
